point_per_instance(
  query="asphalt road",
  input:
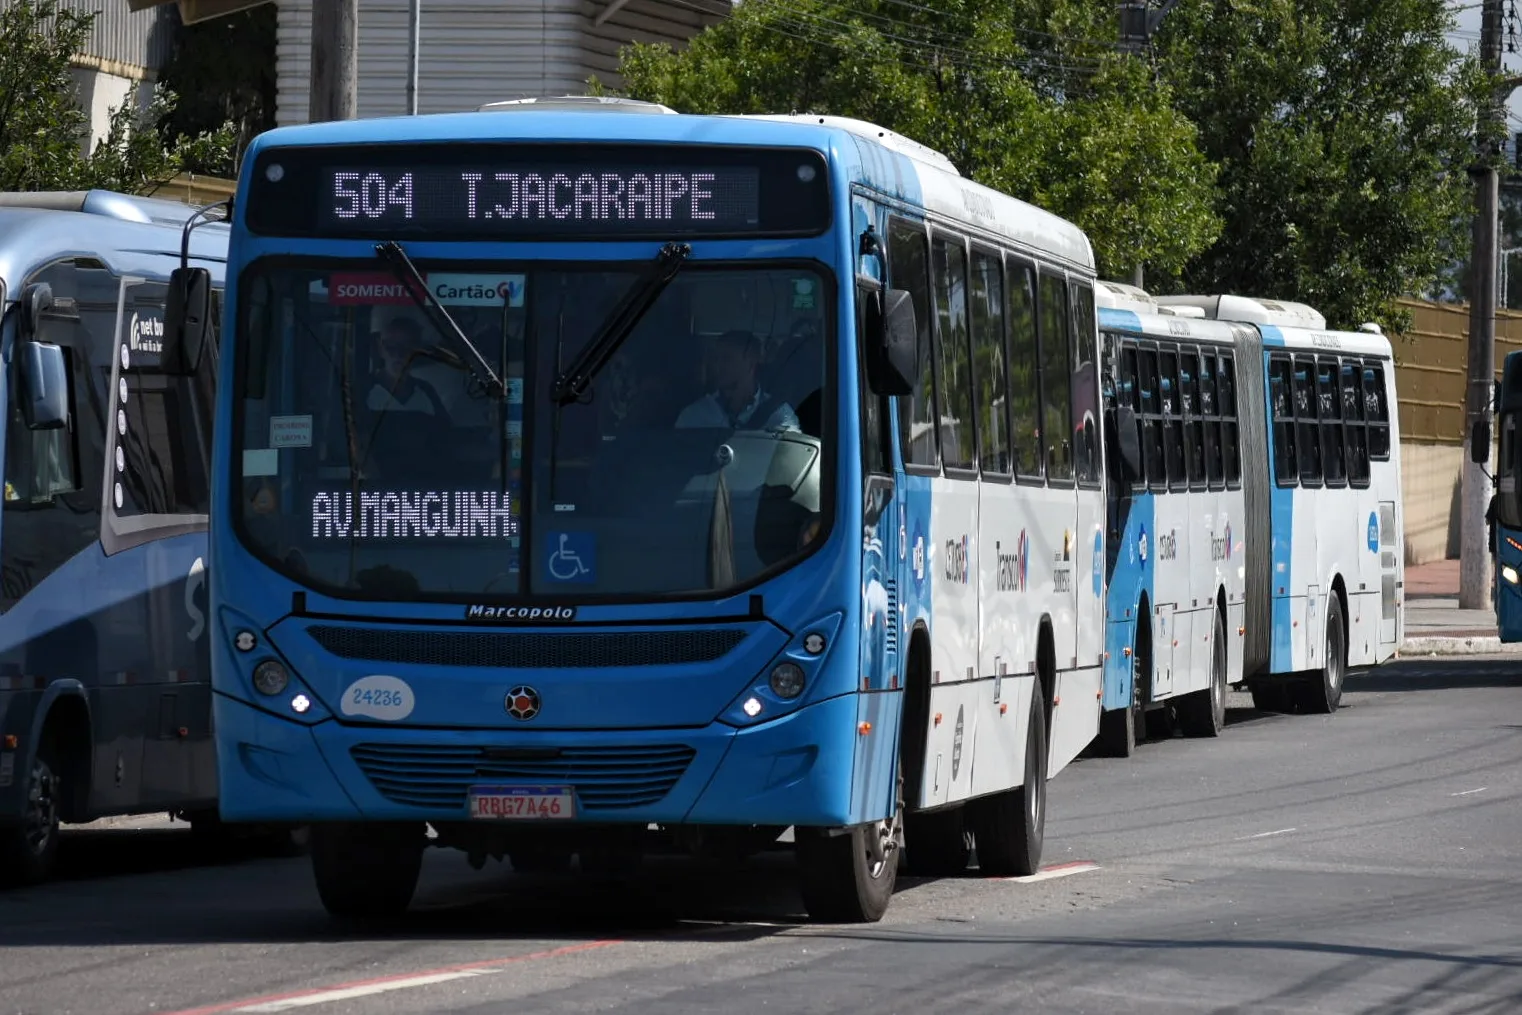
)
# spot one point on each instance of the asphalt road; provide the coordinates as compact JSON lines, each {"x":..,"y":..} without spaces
{"x":1366,"y":862}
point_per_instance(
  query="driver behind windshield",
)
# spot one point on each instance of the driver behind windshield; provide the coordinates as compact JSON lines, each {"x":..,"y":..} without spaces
{"x":738,"y":401}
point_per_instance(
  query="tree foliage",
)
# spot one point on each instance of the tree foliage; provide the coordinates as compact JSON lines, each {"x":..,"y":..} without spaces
{"x":44,"y":133}
{"x":1343,"y":130}
{"x":1028,"y":97}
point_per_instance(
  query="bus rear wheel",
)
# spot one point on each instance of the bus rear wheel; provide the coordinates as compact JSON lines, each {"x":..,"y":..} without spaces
{"x":1009,"y":828}
{"x":366,"y":871}
{"x":1203,"y":713}
{"x":849,"y":877}
{"x":29,"y":850}
{"x":1322,"y":693}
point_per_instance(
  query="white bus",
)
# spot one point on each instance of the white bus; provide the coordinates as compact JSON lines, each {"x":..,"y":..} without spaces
{"x":1321,"y":478}
{"x":1176,"y":526}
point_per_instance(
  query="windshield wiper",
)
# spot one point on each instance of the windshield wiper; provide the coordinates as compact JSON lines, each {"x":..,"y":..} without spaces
{"x":392,"y":253}
{"x":573,"y":381}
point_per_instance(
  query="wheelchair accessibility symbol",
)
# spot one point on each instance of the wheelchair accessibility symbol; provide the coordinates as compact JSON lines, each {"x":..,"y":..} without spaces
{"x":573,"y":557}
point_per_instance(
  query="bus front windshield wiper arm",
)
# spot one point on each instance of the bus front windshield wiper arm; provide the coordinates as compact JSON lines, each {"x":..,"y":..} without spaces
{"x":392,"y":253}
{"x":573,"y":381}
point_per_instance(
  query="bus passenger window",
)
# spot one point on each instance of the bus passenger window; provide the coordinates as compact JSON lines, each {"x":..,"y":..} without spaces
{"x":1376,"y":411}
{"x":1286,"y":454}
{"x":1024,"y":374}
{"x":1333,"y":452}
{"x":1231,"y":454}
{"x":909,"y":270}
{"x":1210,"y":409}
{"x":1152,"y":422}
{"x":1173,"y":422}
{"x":1130,"y":394}
{"x":1355,"y":432}
{"x":1194,"y":426}
{"x":1306,"y":428}
{"x":1055,"y":370}
{"x":958,"y":440}
{"x":989,"y":373}
{"x":1085,"y":387}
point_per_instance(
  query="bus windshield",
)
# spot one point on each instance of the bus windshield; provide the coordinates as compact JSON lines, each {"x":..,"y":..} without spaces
{"x":374,"y":466}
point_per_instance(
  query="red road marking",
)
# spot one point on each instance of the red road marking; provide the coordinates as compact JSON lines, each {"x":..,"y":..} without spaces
{"x":552,"y":953}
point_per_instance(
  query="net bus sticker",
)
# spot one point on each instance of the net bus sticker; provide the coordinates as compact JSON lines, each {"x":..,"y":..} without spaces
{"x":386,"y":698}
{"x":367,"y":289}
{"x":477,"y":290}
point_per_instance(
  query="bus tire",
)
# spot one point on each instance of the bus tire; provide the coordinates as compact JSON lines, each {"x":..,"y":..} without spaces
{"x":1203,"y":713}
{"x":366,"y":871}
{"x":937,"y":844}
{"x":850,"y":877}
{"x":1322,"y":693}
{"x":29,"y":850}
{"x":1010,"y":827}
{"x":540,"y":860}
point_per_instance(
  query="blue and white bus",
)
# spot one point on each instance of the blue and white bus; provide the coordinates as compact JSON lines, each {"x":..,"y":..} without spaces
{"x":1324,"y":549}
{"x":104,"y":674}
{"x":1176,"y":569}
{"x":579,"y":472}
{"x":1506,"y":524}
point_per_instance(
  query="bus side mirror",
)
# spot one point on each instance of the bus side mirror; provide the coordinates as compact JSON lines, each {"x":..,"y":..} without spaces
{"x":44,"y":388}
{"x":893,"y":339}
{"x":187,"y":321}
{"x":1127,"y":443}
{"x":1479,"y":442}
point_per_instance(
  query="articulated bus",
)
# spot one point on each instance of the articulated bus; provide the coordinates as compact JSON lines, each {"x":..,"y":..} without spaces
{"x":104,"y":675}
{"x":577,"y":473}
{"x":1323,"y":548}
{"x":1175,"y":565}
{"x":1506,"y":541}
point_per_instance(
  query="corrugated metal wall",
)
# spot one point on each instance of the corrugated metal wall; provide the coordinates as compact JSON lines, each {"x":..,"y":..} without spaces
{"x":476,"y":51}
{"x":138,"y":43}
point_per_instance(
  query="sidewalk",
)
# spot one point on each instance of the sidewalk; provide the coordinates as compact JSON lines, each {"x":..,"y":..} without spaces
{"x":1434,"y":623}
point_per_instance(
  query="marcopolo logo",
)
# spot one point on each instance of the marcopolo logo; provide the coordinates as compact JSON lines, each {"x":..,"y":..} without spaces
{"x":477,"y":290}
{"x":146,"y":334}
{"x":520,"y":614}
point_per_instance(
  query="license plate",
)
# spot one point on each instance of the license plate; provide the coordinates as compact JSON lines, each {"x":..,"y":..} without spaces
{"x":519,"y":803}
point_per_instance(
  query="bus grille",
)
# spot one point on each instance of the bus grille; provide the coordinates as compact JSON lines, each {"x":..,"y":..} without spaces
{"x":606,"y":778}
{"x":589,"y":650}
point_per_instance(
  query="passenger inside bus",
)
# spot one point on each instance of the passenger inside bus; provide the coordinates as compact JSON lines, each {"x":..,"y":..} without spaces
{"x":737,"y":400}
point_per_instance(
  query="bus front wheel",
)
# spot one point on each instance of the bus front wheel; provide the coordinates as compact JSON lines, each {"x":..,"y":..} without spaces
{"x":849,"y":877}
{"x":366,"y":871}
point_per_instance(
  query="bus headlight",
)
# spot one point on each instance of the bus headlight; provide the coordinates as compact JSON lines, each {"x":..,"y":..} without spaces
{"x":270,"y":677}
{"x":786,"y":681}
{"x":1509,"y":573}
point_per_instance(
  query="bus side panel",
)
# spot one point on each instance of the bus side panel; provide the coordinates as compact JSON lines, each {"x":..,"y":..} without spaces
{"x":1130,"y":580}
{"x":954,"y":677}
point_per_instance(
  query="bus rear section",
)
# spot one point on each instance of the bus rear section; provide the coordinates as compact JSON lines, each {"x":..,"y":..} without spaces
{"x":104,"y":677}
{"x":541,"y":528}
{"x":1325,"y":551}
{"x":1506,"y":545}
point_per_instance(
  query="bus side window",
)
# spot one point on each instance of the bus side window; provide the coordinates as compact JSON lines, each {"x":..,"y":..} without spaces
{"x":1085,"y":427}
{"x":1056,"y":369}
{"x":1354,"y":429}
{"x":1194,"y":426}
{"x":989,"y":371}
{"x":1152,"y":422}
{"x":1231,"y":451}
{"x":1376,"y":411}
{"x":1024,"y":374}
{"x":1130,"y":394}
{"x":1173,"y":424}
{"x":1286,"y":457}
{"x":1329,"y":404}
{"x":909,"y":270}
{"x":1210,"y":409}
{"x":1307,"y":433}
{"x":958,"y":440}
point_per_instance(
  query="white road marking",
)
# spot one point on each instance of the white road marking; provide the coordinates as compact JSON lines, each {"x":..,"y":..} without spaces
{"x":1264,"y":835}
{"x":1470,"y":792}
{"x":1058,"y":871}
{"x":347,"y":993}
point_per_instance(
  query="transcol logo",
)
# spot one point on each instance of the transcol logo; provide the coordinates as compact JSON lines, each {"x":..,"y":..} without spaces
{"x":1012,"y":566}
{"x":1220,"y":546}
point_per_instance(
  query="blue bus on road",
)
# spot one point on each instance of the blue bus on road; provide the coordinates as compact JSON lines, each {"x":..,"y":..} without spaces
{"x":579,"y":471}
{"x":1506,"y":519}
{"x":104,"y":685}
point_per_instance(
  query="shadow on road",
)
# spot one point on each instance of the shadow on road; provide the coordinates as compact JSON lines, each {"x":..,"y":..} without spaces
{"x":1437,"y":675}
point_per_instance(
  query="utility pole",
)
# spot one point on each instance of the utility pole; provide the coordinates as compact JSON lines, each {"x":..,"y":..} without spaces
{"x":414,"y":28}
{"x":335,"y":60}
{"x":1475,"y":575}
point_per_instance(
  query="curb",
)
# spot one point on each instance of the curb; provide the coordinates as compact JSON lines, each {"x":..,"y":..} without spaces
{"x":1456,"y":645}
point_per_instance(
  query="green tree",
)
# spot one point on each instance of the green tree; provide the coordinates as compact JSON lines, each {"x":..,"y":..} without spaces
{"x":1028,"y":97}
{"x":43,"y":130}
{"x":1343,"y":130}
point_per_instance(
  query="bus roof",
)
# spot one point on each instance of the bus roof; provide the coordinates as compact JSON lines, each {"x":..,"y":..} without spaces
{"x":1359,"y":343}
{"x":871,"y":156}
{"x":1168,"y":326}
{"x":1250,"y":309}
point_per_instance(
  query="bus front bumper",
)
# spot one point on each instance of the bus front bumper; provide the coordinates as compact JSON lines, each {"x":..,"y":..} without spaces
{"x":793,"y":770}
